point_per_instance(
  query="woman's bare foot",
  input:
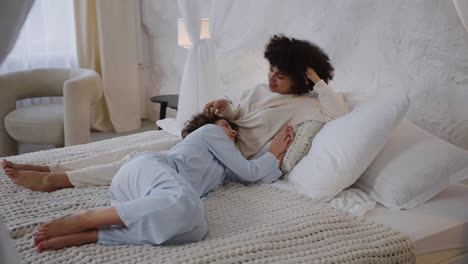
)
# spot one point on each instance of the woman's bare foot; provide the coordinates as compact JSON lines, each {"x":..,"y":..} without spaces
{"x":78,"y":239}
{"x":8,"y":164}
{"x":32,"y":180}
{"x":38,"y":181}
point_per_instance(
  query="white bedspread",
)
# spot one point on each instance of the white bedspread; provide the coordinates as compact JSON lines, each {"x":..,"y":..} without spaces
{"x":255,"y":223}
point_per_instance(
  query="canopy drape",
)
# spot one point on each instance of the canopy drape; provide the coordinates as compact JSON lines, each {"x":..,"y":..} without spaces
{"x":462,"y":9}
{"x":232,"y":25}
{"x":12,"y":17}
{"x":199,"y":81}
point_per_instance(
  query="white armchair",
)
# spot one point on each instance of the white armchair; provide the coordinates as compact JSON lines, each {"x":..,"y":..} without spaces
{"x":67,"y":125}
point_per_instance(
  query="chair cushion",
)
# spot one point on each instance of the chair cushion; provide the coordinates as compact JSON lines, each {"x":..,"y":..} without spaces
{"x":36,"y":124}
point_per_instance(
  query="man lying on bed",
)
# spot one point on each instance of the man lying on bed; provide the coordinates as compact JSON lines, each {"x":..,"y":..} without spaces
{"x":156,"y":197}
{"x":297,"y":67}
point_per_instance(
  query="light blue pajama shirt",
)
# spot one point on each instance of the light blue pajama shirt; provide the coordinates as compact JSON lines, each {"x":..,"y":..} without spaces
{"x":157,"y":195}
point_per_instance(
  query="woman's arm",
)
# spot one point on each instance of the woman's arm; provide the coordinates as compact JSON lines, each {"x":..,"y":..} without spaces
{"x":217,"y":106}
{"x":264,"y":169}
{"x":333,"y":105}
{"x":228,"y":109}
{"x":222,"y":107}
{"x":279,"y":144}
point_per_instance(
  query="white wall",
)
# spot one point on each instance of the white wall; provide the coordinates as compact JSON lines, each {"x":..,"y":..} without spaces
{"x":419,"y":46}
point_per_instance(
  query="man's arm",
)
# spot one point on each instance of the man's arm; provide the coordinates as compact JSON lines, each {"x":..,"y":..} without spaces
{"x":264,"y":169}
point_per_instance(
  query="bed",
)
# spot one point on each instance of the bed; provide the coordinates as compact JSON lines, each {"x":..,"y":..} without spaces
{"x":254,"y":223}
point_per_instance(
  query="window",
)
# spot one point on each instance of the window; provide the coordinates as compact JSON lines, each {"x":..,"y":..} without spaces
{"x":47,"y":38}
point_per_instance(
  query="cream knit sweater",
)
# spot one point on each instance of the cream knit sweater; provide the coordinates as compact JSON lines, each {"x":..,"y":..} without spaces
{"x":261,"y":114}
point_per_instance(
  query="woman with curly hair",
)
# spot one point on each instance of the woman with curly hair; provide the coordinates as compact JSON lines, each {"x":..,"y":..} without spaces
{"x":297,"y":67}
{"x":156,"y":197}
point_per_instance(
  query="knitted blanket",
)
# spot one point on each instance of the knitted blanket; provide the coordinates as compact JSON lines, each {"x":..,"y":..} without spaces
{"x":247,"y":223}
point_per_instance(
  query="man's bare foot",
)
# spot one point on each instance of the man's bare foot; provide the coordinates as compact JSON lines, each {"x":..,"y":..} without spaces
{"x":63,"y":226}
{"x":78,"y":239}
{"x":39,"y":181}
{"x":8,"y":164}
{"x":78,"y":222}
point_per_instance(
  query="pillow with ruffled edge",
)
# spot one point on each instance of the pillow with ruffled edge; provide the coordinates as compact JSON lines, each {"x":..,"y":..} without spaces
{"x":345,"y":147}
{"x":304,"y":134}
{"x":171,"y":126}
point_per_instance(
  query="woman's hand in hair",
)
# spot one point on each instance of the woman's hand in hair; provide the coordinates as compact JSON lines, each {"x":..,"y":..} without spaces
{"x":311,"y":75}
{"x":217,"y":106}
{"x":280,"y":143}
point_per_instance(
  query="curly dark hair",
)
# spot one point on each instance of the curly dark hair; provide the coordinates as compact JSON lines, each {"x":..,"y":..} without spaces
{"x":202,"y":119}
{"x":292,"y":57}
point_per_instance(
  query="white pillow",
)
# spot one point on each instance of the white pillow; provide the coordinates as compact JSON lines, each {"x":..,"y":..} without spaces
{"x":171,"y":126}
{"x":345,"y":147}
{"x":413,"y":167}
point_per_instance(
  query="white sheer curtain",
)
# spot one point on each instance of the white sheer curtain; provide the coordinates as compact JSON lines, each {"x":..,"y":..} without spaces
{"x":47,"y":38}
{"x":12,"y":17}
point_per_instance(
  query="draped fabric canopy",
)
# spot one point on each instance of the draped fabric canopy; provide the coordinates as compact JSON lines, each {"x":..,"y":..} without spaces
{"x":12,"y":16}
{"x":462,"y":9}
{"x":196,"y":85}
{"x":229,"y":31}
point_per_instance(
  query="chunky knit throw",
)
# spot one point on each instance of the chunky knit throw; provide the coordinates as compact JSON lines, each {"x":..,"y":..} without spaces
{"x":247,"y":223}
{"x":303,"y":139}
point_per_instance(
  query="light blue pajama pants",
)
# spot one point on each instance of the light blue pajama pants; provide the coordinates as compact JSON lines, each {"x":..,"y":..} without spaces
{"x":156,"y":204}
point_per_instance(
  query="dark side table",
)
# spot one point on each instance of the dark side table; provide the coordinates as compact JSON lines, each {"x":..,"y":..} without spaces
{"x":169,"y":100}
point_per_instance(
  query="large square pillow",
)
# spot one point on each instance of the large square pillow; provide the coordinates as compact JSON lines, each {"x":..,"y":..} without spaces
{"x":413,"y":167}
{"x":344,"y":148}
